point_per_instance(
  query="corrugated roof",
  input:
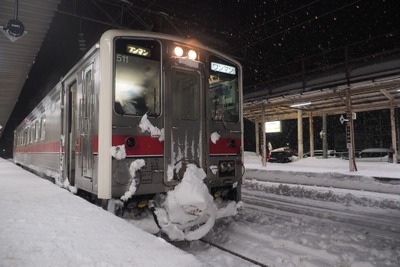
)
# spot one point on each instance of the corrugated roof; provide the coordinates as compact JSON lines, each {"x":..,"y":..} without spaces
{"x":16,"y":58}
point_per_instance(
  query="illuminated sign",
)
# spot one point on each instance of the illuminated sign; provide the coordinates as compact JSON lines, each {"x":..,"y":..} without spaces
{"x":273,"y":127}
{"x":223,"y":68}
{"x":137,"y":50}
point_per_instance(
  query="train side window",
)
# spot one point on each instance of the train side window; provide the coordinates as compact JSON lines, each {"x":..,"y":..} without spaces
{"x":24,"y":137}
{"x":137,"y":77}
{"x":32,"y":132}
{"x":37,"y":128}
{"x":28,"y":135}
{"x":42,"y":128}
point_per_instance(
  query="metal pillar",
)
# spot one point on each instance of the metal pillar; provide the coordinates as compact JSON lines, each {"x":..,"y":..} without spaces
{"x":300,"y":134}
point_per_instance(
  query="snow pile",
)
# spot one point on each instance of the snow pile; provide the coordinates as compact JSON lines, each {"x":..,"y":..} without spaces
{"x":146,"y":126}
{"x":215,"y":137}
{"x":118,"y":152}
{"x":214,"y":169}
{"x":66,"y":185}
{"x":227,"y":208}
{"x":170,"y":173}
{"x":188,"y":205}
{"x":135,"y":166}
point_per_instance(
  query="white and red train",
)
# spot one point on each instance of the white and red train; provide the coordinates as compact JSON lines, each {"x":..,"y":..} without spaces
{"x":185,"y":89}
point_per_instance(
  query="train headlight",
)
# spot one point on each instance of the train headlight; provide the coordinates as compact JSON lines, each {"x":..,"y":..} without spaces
{"x":231,"y":166}
{"x":223,"y":166}
{"x":192,"y":54}
{"x":130,"y":142}
{"x":178,"y":51}
{"x":226,"y":168}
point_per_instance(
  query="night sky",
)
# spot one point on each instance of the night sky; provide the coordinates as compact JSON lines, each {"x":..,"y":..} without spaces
{"x":268,"y":37}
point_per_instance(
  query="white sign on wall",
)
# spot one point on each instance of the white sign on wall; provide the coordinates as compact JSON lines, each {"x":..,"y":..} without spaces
{"x":273,"y":127}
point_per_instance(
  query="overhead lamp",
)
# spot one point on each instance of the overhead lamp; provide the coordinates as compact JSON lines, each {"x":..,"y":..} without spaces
{"x":398,"y":90}
{"x":300,"y":104}
{"x":14,"y":29}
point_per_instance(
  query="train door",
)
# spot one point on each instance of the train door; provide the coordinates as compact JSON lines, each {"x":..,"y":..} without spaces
{"x":185,"y":121}
{"x":69,"y":129}
{"x":85,"y":117}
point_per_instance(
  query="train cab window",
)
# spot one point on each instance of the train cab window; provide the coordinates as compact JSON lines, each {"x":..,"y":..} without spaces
{"x":137,"y":77}
{"x":224,"y":90}
{"x":185,"y":88}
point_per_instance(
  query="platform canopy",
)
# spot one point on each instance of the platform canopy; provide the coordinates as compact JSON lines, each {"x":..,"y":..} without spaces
{"x":17,"y":55}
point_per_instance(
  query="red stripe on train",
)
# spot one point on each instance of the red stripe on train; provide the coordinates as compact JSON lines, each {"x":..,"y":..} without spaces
{"x":41,"y":147}
{"x":226,"y":146}
{"x":144,"y":145}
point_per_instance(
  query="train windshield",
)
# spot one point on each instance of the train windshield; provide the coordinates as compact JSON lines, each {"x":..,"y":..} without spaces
{"x":137,"y":77}
{"x":224,"y":90}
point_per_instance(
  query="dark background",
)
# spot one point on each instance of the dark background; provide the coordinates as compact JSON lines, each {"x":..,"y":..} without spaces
{"x":268,"y":37}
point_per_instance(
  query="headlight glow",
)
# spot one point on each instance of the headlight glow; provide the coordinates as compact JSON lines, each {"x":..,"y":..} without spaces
{"x":192,"y":54}
{"x":178,"y":51}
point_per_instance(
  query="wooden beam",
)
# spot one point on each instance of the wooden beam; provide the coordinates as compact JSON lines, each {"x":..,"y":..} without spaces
{"x":350,"y":134}
{"x":393,"y":128}
{"x":257,"y":137}
{"x":387,"y":94}
{"x":311,"y":129}
{"x":264,"y":141}
{"x":300,"y":134}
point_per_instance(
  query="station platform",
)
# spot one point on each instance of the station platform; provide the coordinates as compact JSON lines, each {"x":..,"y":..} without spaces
{"x":42,"y":224}
{"x":381,"y":177}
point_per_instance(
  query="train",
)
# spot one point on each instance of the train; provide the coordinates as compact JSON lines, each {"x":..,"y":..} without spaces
{"x":129,"y":119}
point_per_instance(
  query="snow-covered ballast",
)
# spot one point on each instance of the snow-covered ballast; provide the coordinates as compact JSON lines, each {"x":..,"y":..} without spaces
{"x":151,"y":124}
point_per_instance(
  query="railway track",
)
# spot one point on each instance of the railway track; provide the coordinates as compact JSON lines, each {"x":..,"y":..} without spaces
{"x":386,"y":224}
{"x":236,"y":254}
{"x":275,"y":230}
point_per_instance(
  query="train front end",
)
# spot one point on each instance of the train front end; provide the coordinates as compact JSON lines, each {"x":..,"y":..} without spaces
{"x":175,"y":130}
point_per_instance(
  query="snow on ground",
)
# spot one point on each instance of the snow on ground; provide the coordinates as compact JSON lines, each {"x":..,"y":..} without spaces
{"x":280,"y":238}
{"x":330,"y":165}
{"x":335,"y":173}
{"x":42,"y":224}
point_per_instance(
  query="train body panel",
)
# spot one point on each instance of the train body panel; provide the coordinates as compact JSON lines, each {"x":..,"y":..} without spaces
{"x":132,"y":92}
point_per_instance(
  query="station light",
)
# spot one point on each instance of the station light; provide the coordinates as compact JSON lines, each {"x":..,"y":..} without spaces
{"x":300,"y":104}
